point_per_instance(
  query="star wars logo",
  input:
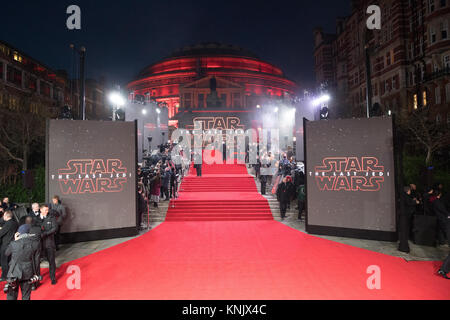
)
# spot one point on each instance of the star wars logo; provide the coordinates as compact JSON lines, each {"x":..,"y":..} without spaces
{"x":218,"y":123}
{"x":350,"y":174}
{"x":83,"y":176}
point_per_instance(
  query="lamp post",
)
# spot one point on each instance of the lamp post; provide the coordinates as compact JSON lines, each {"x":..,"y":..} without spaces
{"x":82,"y":53}
{"x":117,"y":102}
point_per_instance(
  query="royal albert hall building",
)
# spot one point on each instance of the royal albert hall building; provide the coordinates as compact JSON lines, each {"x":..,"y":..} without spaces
{"x":212,"y":80}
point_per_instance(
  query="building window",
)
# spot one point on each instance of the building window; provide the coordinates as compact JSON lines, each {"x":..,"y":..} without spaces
{"x":17,"y":57}
{"x":14,"y":76}
{"x":431,"y":6}
{"x":447,"y":92}
{"x":187,"y":100}
{"x":443,"y":3}
{"x":424,"y":95}
{"x":45,"y":89}
{"x":1,"y":70}
{"x":236,"y":100}
{"x":446,"y":61}
{"x":437,"y":92}
{"x":432,"y":35}
{"x":201,"y":100}
{"x":444,"y":30}
{"x":223,"y":97}
{"x":438,"y":118}
{"x":31,"y":83}
{"x":415,"y":102}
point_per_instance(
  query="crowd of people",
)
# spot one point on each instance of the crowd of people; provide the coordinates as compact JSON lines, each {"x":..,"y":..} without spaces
{"x":287,"y":182}
{"x":158,"y":180}
{"x":26,"y":240}
{"x":432,"y":202}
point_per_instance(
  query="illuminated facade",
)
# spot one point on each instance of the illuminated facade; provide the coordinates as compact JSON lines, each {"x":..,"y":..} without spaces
{"x":182,"y":81}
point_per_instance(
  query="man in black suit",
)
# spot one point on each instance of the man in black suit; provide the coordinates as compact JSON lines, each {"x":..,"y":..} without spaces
{"x":283,"y":196}
{"x":22,"y":268}
{"x":443,"y":219}
{"x":49,"y":226}
{"x":407,"y":209}
{"x":6,"y":236}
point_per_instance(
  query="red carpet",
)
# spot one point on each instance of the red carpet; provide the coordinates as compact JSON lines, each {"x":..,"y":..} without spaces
{"x":235,"y":259}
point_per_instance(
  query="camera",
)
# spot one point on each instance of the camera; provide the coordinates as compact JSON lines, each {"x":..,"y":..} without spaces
{"x":10,"y":285}
{"x":35,"y":279}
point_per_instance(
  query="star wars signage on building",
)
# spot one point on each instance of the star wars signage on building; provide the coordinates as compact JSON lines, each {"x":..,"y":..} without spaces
{"x":350,"y":174}
{"x":91,"y":165}
{"x":218,"y":123}
{"x":92,"y":176}
{"x":350,"y":178}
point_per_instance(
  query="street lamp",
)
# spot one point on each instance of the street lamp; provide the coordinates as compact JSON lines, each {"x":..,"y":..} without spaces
{"x":117,"y":101}
{"x":321,"y":100}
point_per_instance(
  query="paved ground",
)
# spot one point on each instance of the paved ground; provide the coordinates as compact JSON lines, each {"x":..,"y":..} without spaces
{"x":70,"y":252}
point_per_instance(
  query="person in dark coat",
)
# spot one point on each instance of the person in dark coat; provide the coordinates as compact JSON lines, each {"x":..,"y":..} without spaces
{"x":263,"y":180}
{"x":49,"y":226}
{"x":155,"y":188}
{"x":407,"y":209}
{"x":59,"y":211}
{"x":301,"y":197}
{"x":427,"y":208}
{"x":7,"y":205}
{"x":445,"y":268}
{"x":283,"y":194}
{"x":165,"y":184}
{"x":6,"y":236}
{"x":35,"y":230}
{"x":443,"y":222}
{"x":142,"y":207}
{"x":22,"y":266}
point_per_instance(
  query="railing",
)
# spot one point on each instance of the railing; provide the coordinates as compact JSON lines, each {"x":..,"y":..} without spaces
{"x":437,"y":74}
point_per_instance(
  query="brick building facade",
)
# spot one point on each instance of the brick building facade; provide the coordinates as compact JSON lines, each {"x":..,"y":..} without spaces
{"x":46,"y":90}
{"x":409,"y":58}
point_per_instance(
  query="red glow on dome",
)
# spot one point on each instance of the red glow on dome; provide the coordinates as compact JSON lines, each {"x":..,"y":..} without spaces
{"x":162,"y":80}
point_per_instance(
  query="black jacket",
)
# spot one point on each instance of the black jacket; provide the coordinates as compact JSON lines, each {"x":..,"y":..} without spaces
{"x":23,"y":256}
{"x":49,"y":226}
{"x":7,"y":233}
{"x":407,"y":205}
{"x":166,"y":179}
{"x":283,"y":192}
{"x":439,"y":209}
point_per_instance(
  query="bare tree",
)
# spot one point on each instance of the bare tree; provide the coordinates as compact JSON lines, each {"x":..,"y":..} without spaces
{"x":420,"y":127}
{"x":22,"y":121}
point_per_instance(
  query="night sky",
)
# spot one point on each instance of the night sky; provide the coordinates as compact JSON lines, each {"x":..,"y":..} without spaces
{"x":122,"y":37}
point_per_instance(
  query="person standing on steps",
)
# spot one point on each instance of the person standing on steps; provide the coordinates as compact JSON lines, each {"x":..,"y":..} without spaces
{"x":155,"y":188}
{"x":283,"y":194}
{"x":301,"y":196}
{"x":263,"y":180}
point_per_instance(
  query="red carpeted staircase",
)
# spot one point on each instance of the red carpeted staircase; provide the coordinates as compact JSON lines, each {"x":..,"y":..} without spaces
{"x":216,"y":196}
{"x":200,"y":256}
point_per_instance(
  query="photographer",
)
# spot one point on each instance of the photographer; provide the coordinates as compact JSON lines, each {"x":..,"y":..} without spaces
{"x":6,"y":236}
{"x":22,"y":267}
{"x":6,"y":205}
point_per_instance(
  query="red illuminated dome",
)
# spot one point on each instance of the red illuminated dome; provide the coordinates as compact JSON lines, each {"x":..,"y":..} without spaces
{"x":163,"y":80}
